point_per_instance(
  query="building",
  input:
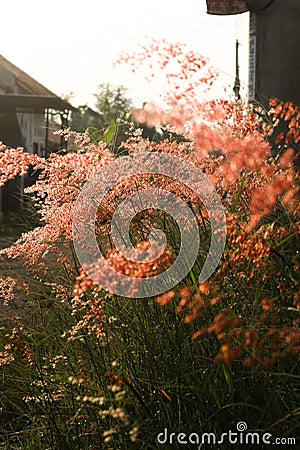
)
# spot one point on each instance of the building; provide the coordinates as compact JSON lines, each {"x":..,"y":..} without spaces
{"x":26,"y":108}
{"x":274,"y":42}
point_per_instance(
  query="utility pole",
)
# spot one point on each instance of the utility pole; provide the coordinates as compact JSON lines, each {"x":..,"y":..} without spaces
{"x":237,"y":83}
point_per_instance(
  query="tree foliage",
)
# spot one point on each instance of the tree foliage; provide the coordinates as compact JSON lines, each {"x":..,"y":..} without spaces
{"x":112,"y":104}
{"x":109,"y":122}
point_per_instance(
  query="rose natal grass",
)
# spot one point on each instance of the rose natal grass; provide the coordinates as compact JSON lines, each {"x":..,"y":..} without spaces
{"x":88,"y":359}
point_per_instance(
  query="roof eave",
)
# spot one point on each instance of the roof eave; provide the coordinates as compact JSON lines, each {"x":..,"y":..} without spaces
{"x":38,"y":103}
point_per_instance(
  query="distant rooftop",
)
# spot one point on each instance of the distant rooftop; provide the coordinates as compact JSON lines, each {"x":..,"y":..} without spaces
{"x":20,"y":90}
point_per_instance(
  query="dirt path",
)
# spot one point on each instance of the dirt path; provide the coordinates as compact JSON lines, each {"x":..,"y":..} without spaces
{"x":15,"y":268}
{"x":23,"y":305}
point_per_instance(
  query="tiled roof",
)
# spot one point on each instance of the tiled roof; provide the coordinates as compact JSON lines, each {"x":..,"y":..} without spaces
{"x":224,"y":7}
{"x":20,"y":90}
{"x":23,"y":79}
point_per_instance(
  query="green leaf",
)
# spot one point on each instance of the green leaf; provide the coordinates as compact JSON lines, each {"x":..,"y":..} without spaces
{"x":110,"y":133}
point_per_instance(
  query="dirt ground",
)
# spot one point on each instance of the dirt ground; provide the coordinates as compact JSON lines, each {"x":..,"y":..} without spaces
{"x":22,"y":305}
{"x":14,"y":267}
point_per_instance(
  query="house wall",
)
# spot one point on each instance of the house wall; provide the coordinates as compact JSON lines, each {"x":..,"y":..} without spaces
{"x":32,"y":126}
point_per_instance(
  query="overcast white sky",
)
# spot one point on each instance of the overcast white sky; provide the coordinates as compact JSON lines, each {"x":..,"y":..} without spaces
{"x":70,"y":46}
